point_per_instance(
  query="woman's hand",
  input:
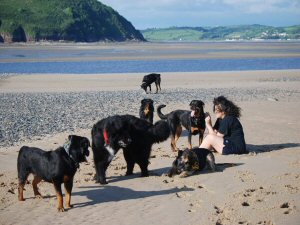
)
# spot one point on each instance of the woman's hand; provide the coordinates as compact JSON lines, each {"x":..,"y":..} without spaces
{"x":207,"y":119}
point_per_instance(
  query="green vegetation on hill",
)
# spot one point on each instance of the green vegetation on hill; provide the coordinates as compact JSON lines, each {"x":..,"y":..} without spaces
{"x":71,"y":20}
{"x":242,"y":32}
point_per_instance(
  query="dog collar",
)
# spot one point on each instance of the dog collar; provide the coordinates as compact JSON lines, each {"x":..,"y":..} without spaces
{"x":195,"y":121}
{"x":66,"y":146}
{"x":105,"y":136}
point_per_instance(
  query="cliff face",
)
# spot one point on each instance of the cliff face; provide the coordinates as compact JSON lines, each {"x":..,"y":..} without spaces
{"x":69,"y":20}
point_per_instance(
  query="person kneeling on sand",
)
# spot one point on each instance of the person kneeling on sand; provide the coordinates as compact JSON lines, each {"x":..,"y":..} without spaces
{"x":227,"y":135}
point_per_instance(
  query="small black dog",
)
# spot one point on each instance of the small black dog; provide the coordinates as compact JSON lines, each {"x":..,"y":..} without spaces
{"x":193,"y":121}
{"x":191,"y":160}
{"x":56,"y":167}
{"x":146,"y":110}
{"x":149,"y":79}
{"x":134,"y":135}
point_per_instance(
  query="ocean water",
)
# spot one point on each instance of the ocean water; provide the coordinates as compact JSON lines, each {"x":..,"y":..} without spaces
{"x":148,"y":57}
{"x":147,"y":66}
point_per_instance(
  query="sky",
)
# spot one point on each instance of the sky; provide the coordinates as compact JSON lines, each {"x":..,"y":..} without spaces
{"x":206,"y":13}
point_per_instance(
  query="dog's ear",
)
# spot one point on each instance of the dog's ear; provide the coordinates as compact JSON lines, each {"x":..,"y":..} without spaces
{"x":86,"y":151}
{"x":192,"y":102}
{"x":70,"y":139}
{"x":85,"y":142}
{"x":201,"y":103}
{"x":197,"y":103}
{"x":180,"y":152}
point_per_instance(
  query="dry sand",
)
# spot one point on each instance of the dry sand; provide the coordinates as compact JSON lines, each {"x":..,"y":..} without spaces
{"x":261,"y":187}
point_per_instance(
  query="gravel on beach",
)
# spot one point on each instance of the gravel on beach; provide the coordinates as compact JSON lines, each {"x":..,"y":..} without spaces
{"x":27,"y":116}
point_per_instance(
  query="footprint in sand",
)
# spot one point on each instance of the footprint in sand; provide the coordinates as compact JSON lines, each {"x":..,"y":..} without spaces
{"x":191,"y":210}
{"x":245,"y":204}
{"x":224,"y":216}
{"x":195,"y":205}
{"x":265,"y":223}
{"x":253,"y":196}
{"x":243,"y":222}
{"x":218,"y":210}
{"x":245,"y":176}
{"x":182,"y":195}
{"x":288,"y":208}
{"x":291,"y":189}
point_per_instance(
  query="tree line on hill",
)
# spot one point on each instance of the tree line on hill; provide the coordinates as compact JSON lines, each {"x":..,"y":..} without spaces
{"x":68,"y":20}
{"x":242,"y":32}
{"x":92,"y":21}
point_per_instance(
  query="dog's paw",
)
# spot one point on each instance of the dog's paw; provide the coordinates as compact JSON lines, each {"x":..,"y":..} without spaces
{"x":145,"y":175}
{"x":128,"y":173}
{"x":61,"y":209}
{"x":183,"y":174}
{"x":103,"y":182}
{"x":39,"y":196}
{"x":69,"y":206}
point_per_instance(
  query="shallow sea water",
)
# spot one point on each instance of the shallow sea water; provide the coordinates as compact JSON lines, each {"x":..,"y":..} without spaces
{"x":148,"y":57}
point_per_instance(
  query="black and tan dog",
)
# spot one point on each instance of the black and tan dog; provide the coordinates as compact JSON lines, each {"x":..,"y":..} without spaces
{"x":149,"y":79}
{"x":193,"y":121}
{"x":191,"y":160}
{"x":58,"y":166}
{"x":134,"y":135}
{"x":146,"y":110}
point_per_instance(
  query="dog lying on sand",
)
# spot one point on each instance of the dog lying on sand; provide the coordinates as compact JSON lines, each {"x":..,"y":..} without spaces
{"x":191,"y":160}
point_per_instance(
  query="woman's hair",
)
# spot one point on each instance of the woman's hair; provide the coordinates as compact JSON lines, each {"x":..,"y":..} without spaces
{"x":227,"y":106}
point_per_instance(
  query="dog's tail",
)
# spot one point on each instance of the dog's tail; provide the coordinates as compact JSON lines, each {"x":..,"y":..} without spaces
{"x":159,"y":113}
{"x":160,"y":131}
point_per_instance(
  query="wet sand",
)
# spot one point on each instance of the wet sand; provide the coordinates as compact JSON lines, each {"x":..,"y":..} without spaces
{"x":68,"y":52}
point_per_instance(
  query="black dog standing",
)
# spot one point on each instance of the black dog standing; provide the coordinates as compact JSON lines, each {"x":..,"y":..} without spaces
{"x":146,"y":110}
{"x":193,"y":121}
{"x":56,"y":167}
{"x":134,"y":135}
{"x":149,"y":79}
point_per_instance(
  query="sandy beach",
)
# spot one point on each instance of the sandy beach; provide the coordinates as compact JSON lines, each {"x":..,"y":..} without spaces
{"x":262,"y":187}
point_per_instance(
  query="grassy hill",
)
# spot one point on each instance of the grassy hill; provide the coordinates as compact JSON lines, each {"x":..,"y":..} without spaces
{"x":243,"y":32}
{"x":71,"y":20}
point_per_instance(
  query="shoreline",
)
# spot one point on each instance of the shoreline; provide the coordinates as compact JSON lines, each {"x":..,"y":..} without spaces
{"x":13,"y":83}
{"x":148,"y":51}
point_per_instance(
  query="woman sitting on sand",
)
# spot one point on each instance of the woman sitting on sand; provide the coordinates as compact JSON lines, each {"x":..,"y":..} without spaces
{"x":227,"y":135}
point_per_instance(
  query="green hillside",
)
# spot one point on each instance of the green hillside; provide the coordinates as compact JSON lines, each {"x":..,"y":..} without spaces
{"x":243,"y":32}
{"x":70,"y":20}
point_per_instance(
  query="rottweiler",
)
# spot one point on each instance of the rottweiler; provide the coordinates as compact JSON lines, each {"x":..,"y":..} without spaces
{"x":149,"y":79}
{"x":191,"y":160}
{"x":146,"y":110}
{"x":57,"y":167}
{"x":193,"y":121}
